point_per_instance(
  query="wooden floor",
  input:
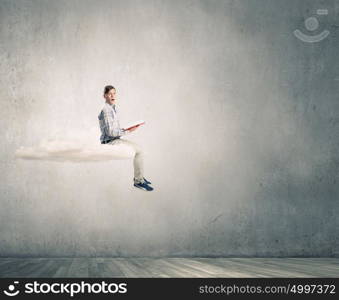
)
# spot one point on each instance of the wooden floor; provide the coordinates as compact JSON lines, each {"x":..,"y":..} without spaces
{"x":169,"y":267}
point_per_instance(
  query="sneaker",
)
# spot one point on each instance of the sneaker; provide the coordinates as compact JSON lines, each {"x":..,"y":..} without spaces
{"x":144,"y":186}
{"x":145,"y":180}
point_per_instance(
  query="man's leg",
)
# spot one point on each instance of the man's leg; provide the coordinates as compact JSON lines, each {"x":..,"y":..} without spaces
{"x":138,"y":160}
{"x":138,"y":164}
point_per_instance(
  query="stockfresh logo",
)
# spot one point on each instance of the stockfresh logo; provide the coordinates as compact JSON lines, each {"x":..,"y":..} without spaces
{"x":70,"y":288}
{"x":12,"y":290}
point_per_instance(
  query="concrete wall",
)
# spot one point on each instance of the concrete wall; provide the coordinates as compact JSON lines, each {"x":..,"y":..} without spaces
{"x":241,"y":138}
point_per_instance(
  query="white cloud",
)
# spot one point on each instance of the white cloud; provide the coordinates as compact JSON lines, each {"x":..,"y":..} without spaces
{"x":74,"y":151}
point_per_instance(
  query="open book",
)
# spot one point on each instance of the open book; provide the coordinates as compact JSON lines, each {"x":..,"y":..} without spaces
{"x":134,"y":124}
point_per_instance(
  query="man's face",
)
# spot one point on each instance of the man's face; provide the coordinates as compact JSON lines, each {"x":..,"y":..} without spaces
{"x":110,"y":97}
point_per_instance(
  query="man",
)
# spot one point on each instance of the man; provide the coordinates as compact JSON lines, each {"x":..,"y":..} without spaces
{"x":111,"y":133}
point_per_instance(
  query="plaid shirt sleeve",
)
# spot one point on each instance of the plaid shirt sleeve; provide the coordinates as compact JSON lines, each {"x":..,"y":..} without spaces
{"x":110,"y":126}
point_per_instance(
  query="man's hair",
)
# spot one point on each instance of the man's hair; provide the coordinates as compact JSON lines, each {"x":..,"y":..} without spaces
{"x":108,"y":88}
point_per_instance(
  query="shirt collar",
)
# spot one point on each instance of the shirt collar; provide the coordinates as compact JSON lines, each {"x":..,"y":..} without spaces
{"x":111,"y":105}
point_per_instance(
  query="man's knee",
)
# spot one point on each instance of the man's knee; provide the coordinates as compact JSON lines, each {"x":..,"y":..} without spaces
{"x":139,"y":150}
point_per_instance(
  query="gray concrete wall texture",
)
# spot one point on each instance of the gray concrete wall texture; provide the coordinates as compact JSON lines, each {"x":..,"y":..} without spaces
{"x":241,"y":134}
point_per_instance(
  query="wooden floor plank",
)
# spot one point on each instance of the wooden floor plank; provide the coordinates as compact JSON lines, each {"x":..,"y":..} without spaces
{"x":107,"y":268}
{"x":13,"y":268}
{"x":4,"y":261}
{"x":63,"y":267}
{"x":150,"y":266}
{"x":230,"y":268}
{"x":195,"y":268}
{"x":129,"y":268}
{"x":168,"y":267}
{"x":265,"y":267}
{"x":181,"y":270}
{"x":78,"y":268}
{"x":250,"y":268}
{"x":48,"y":270}
{"x":213,"y":270}
{"x":93,"y":270}
{"x":308,"y":269}
{"x":168,"y":270}
{"x":25,"y":268}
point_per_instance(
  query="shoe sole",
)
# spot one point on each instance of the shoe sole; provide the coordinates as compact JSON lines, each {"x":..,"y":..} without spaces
{"x":148,"y":182}
{"x":144,"y":189}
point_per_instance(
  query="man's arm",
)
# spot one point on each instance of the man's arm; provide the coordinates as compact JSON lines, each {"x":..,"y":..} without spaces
{"x":110,"y":127}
